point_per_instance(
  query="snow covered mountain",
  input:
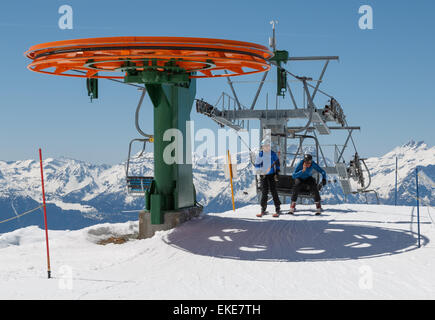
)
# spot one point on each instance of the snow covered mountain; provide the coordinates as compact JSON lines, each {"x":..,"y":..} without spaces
{"x":80,"y":194}
{"x":410,"y":155}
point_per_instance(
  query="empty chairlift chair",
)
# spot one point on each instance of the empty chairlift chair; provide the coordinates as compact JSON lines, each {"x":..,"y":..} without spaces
{"x":137,"y":185}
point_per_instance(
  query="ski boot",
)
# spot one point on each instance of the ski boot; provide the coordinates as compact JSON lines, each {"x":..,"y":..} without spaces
{"x":292,"y":208}
{"x":318,"y":208}
{"x":276,"y":214}
{"x":262,"y":213}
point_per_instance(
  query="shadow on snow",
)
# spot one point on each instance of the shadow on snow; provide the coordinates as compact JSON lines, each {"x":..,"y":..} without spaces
{"x":289,"y":240}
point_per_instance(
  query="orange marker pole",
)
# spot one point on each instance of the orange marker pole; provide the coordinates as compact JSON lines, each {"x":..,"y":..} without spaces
{"x":45,"y":216}
{"x":231,"y":178}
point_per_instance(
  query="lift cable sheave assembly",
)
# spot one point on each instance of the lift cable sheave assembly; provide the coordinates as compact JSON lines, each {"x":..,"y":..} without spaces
{"x":168,"y":68}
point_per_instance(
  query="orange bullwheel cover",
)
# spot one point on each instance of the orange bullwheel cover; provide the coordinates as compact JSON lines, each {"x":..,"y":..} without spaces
{"x":111,"y":57}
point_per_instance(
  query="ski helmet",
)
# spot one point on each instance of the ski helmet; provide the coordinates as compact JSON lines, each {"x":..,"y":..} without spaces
{"x":265,"y":141}
{"x":308,"y":157}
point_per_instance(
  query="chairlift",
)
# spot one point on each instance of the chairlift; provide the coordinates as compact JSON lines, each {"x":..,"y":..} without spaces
{"x":285,"y":184}
{"x":138,"y":185}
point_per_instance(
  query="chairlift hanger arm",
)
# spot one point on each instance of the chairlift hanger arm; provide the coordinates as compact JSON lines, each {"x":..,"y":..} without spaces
{"x":136,"y":118}
{"x":369,"y":176}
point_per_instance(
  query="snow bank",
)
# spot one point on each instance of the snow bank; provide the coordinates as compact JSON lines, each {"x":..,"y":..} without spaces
{"x":104,"y":231}
{"x":21,"y":237}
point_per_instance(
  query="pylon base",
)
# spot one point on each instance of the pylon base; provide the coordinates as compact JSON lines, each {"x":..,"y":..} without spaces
{"x":171,"y":220}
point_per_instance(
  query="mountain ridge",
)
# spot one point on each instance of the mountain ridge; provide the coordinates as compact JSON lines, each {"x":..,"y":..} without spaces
{"x":79,"y":192}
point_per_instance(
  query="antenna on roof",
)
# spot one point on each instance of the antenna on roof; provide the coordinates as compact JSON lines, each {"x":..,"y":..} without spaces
{"x":272,"y":41}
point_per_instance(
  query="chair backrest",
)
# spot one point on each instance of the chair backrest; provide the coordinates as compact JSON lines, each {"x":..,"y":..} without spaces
{"x":285,"y":186}
{"x":285,"y":182}
{"x":138,"y":184}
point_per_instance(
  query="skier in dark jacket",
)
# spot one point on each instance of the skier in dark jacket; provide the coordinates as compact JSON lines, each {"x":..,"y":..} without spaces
{"x":303,"y":177}
{"x":268,"y":166}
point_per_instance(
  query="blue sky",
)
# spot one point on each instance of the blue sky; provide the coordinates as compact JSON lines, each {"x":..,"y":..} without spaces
{"x":384,"y":79}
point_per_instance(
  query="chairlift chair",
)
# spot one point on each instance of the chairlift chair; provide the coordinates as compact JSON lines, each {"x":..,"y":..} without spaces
{"x":137,"y":185}
{"x":285,"y":184}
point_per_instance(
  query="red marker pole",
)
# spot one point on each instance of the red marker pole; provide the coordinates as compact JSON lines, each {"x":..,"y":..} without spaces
{"x":230,"y":167}
{"x":45,"y":215}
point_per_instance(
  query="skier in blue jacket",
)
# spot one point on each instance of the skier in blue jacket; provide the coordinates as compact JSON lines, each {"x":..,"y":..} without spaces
{"x":267,"y":164}
{"x":303,"y":177}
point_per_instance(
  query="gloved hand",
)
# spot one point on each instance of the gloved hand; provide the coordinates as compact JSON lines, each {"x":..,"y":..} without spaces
{"x":324,"y":182}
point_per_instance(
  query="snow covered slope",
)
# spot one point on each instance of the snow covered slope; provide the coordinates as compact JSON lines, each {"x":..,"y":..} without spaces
{"x":351,"y":251}
{"x":80,"y":194}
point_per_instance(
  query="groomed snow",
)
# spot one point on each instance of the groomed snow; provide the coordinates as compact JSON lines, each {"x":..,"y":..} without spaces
{"x":350,"y":252}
